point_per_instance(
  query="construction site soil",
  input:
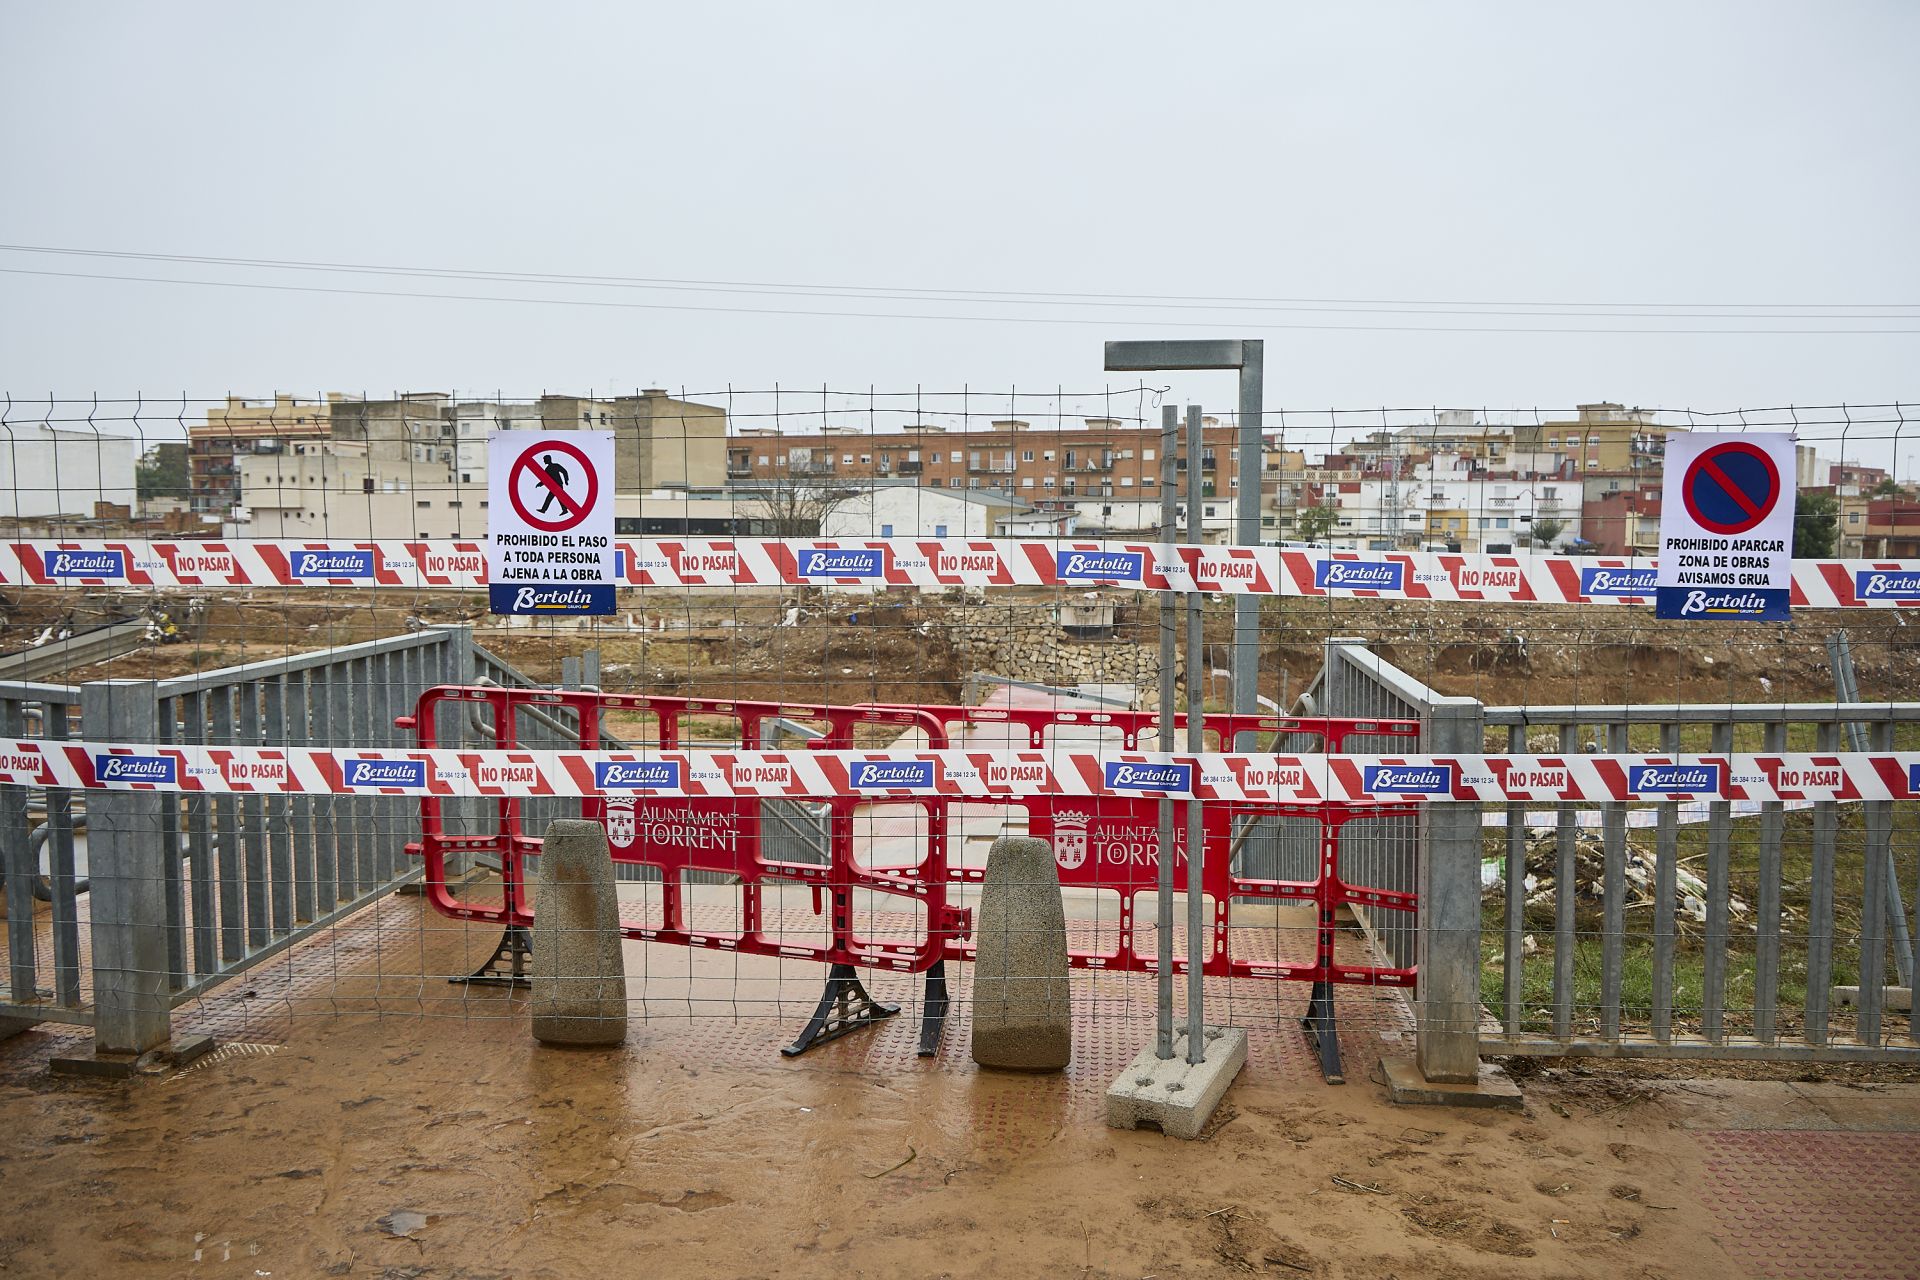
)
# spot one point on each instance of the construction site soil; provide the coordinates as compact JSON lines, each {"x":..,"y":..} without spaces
{"x":816,"y":647}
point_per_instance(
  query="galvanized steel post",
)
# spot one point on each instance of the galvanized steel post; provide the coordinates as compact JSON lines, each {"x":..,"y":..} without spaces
{"x":1197,"y":932}
{"x":1169,"y":627}
{"x":1448,"y":996}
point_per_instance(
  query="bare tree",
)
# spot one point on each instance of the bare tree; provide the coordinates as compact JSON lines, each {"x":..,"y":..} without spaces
{"x":792,"y":504}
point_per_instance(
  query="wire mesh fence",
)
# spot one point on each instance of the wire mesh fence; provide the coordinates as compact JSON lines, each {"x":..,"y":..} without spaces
{"x":158,"y":593}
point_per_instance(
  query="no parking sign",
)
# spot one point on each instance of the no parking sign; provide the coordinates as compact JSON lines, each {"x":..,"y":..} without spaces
{"x":1726,"y":527}
{"x":550,"y":522}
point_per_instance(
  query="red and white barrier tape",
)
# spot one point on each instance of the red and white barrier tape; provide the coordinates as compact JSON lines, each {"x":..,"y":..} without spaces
{"x":934,"y":564}
{"x":1263,"y":779}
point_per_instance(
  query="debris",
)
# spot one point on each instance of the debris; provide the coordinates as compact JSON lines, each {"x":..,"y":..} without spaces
{"x":911,"y":1153}
{"x":402,"y":1223}
{"x":1339,"y":1181}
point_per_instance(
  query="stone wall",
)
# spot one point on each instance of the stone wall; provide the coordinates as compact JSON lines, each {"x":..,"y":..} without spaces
{"x":1014,"y":642}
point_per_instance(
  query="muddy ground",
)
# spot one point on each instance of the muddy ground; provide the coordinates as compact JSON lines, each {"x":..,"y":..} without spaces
{"x":401,"y":1147}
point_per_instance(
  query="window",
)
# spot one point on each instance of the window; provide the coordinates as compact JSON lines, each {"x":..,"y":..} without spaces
{"x":974,"y":483}
{"x":1553,"y":442}
{"x":1126,"y":482}
{"x":1026,"y":482}
{"x":1046,"y":455}
{"x":1593,"y":440}
{"x":1148,"y":482}
{"x":886,"y":531}
{"x":1501,"y":522}
{"x":1853,"y":517}
{"x":1592,"y":463}
{"x":1047,"y":483}
{"x":846,"y":459}
{"x":956,"y":455}
{"x":1146,"y":455}
{"x":423,"y":503}
{"x":865,"y":458}
{"x":1070,"y":459}
{"x":1026,"y":455}
{"x":763,"y":459}
{"x":465,"y":478}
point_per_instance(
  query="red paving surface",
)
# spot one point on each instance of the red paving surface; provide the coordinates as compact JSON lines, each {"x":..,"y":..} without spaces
{"x":1796,"y":1205}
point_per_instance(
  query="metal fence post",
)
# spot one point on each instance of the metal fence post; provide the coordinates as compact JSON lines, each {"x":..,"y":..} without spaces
{"x":124,"y":846}
{"x":1448,"y":1004}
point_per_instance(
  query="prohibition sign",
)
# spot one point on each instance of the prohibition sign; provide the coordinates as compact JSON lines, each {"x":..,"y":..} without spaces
{"x":1730,"y":487}
{"x":574,"y":511}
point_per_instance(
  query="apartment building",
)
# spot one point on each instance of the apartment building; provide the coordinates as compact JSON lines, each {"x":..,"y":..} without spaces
{"x":415,"y":465}
{"x":1601,"y":437}
{"x":242,"y":428}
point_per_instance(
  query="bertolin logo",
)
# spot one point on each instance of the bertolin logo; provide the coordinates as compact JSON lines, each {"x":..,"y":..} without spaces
{"x":880,"y":775}
{"x":1879,"y":584}
{"x":333,"y":564}
{"x":154,"y":769}
{"x":1124,"y":776}
{"x":1913,"y":778}
{"x":1425,"y":779}
{"x":528,"y":598}
{"x":385,"y":773}
{"x":1098,"y":566}
{"x":1656,"y":779}
{"x":839,"y":562}
{"x":1359,"y":575}
{"x":1617,"y":582}
{"x":85,"y":564}
{"x":1739,"y":603}
{"x":636,"y":775}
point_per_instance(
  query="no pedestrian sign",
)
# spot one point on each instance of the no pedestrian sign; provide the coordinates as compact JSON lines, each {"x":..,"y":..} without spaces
{"x":550,"y":522}
{"x":1726,"y":527}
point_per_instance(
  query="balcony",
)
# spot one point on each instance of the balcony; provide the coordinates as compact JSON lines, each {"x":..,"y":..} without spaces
{"x":737,"y":471}
{"x":910,"y":468}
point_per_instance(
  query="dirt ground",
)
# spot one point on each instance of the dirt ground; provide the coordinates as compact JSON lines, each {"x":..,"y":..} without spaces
{"x":857,"y":648}
{"x":405,"y":1146}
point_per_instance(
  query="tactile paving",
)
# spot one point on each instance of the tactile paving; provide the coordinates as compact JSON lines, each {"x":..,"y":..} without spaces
{"x":1793,"y":1205}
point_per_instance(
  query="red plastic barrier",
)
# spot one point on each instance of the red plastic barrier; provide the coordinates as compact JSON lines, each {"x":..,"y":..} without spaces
{"x":705,"y":834}
{"x":1103,"y":843}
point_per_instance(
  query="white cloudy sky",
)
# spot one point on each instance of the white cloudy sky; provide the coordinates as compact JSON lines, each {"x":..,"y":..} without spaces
{"x":1705,"y":166}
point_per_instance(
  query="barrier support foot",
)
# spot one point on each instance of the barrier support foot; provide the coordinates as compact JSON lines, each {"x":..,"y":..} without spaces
{"x":845,"y":1006}
{"x":1322,"y":1033}
{"x":933,"y":1010}
{"x":515,"y":945}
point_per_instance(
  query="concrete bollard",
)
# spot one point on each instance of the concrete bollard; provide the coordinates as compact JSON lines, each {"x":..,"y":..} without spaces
{"x":1022,"y":1010}
{"x":579,"y":976}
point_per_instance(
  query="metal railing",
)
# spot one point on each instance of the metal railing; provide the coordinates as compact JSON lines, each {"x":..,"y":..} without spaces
{"x":1788,"y":955}
{"x":44,"y":983}
{"x":1748,"y":956}
{"x":187,"y":889}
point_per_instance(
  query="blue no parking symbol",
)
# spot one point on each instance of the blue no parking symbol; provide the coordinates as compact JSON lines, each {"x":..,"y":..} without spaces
{"x":1731,"y":487}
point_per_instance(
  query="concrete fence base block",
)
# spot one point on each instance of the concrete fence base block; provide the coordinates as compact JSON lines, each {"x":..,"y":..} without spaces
{"x":579,"y":976}
{"x":1494,"y":1087}
{"x":1022,"y":1009}
{"x":1171,"y":1094}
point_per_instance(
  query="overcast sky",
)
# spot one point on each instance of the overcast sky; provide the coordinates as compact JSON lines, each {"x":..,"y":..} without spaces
{"x":1730,"y":158}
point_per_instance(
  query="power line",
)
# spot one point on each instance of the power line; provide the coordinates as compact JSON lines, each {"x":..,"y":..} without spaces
{"x":1083,"y":321}
{"x":1717,"y":311}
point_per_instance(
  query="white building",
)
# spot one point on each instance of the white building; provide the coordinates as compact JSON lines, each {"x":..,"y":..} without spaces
{"x":1443,"y":504}
{"x":49,"y":471}
{"x":904,"y":509}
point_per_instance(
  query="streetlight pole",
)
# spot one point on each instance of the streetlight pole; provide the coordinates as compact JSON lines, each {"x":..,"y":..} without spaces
{"x":1248,"y":357}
